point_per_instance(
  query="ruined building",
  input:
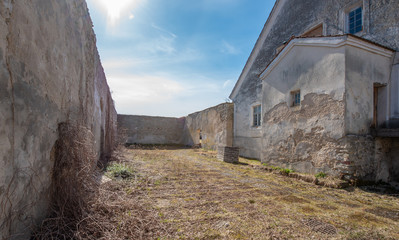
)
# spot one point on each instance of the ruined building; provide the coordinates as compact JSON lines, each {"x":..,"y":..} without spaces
{"x":320,"y":90}
{"x":50,"y":73}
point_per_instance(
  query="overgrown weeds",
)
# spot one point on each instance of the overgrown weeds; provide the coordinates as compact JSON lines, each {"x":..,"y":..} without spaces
{"x":86,"y":207}
{"x":74,"y":185}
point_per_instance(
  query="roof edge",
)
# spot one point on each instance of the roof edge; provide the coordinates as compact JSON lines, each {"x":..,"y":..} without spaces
{"x":255,"y":50}
{"x":345,"y":39}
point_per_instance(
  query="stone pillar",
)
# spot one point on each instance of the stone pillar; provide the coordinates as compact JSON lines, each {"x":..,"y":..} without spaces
{"x":228,"y":154}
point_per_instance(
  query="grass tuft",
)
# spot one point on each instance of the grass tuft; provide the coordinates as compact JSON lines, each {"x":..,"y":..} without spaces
{"x":119,"y":171}
{"x":321,"y":175}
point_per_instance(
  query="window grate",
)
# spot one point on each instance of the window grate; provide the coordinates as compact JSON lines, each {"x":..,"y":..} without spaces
{"x":355,"y":21}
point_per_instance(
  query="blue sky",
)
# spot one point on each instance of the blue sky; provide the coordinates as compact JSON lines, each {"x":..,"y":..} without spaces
{"x":174,"y":57}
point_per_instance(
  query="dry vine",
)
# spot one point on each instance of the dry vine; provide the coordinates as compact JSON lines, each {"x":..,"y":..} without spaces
{"x":82,"y":208}
{"x":73,"y":182}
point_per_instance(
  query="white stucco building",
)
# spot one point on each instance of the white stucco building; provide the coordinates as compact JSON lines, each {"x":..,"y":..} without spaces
{"x":319,"y":92}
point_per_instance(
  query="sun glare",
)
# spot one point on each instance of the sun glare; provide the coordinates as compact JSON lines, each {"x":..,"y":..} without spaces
{"x":115,"y":8}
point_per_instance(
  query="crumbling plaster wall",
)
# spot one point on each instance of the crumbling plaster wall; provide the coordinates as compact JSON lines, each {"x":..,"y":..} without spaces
{"x":363,"y":69}
{"x":50,"y":72}
{"x":308,"y":137}
{"x":215,"y":124}
{"x":329,"y":130}
{"x":150,"y":130}
{"x":295,"y":19}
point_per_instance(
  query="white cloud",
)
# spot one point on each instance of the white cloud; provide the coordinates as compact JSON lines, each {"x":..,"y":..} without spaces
{"x":139,"y":64}
{"x":131,"y":16}
{"x":143,"y":89}
{"x":227,"y":83}
{"x":228,"y":48}
{"x":163,"y":30}
{"x":162,"y":95}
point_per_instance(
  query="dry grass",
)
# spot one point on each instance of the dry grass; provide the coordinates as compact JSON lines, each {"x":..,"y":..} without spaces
{"x":189,"y":194}
{"x":88,"y":205}
{"x":199,"y":197}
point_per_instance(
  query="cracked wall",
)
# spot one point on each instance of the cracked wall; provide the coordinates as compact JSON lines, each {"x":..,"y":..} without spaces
{"x":215,"y":125}
{"x":50,"y":72}
{"x":381,"y":26}
{"x":329,"y":130}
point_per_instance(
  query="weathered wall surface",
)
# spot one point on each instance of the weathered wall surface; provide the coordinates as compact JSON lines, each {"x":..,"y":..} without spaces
{"x":329,"y":130}
{"x":50,"y":72}
{"x":362,"y":71}
{"x":306,"y":137}
{"x":290,"y":18}
{"x":215,"y":125}
{"x":151,"y":130}
{"x":387,"y":159}
{"x":395,"y":93}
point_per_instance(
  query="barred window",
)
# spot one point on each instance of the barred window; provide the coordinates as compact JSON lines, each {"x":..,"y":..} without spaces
{"x":355,"y":20}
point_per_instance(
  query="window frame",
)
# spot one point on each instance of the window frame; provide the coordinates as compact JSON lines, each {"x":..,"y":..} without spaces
{"x":296,"y":98}
{"x":257,"y":115}
{"x":355,"y":26}
{"x":343,"y":24}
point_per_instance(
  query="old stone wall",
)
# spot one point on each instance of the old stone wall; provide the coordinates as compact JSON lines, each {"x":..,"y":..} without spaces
{"x":328,"y":130}
{"x":387,"y":159}
{"x":50,"y":73}
{"x":306,"y":138}
{"x":215,"y":125}
{"x":151,"y":130}
{"x":292,"y":18}
{"x":228,"y":154}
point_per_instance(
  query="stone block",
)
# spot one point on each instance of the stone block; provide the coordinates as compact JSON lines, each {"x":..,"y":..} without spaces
{"x":228,"y":154}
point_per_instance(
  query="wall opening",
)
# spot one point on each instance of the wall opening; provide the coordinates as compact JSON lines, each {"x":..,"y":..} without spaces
{"x":314,"y":31}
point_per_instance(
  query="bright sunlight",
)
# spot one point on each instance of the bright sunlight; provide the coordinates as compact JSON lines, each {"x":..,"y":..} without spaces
{"x":116,"y":8}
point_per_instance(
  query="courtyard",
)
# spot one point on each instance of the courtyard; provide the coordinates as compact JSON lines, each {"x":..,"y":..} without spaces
{"x":173,"y":193}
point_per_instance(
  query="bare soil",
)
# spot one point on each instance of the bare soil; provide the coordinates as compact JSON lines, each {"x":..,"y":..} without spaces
{"x":189,"y":194}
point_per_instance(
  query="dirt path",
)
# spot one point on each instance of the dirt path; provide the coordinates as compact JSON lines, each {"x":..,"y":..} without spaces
{"x":195,"y":196}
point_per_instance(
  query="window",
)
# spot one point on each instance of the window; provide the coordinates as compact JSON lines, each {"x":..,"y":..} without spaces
{"x":355,"y":21}
{"x":296,"y":98}
{"x":256,"y":116}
